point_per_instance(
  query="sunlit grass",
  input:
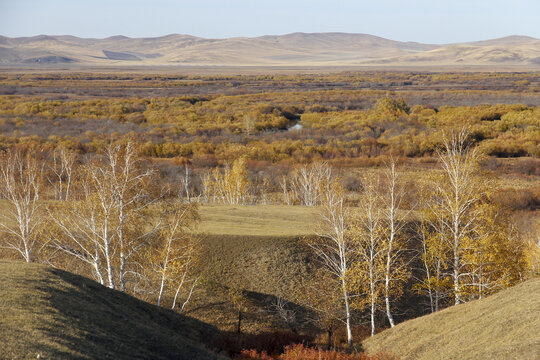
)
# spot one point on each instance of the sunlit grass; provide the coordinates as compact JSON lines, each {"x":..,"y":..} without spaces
{"x":502,"y":326}
{"x":258,"y":220}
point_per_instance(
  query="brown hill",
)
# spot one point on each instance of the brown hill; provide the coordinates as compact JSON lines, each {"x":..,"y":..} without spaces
{"x":512,"y":50}
{"x":297,"y":49}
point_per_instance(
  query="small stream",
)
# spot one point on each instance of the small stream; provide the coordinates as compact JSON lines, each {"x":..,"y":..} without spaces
{"x":296,"y":127}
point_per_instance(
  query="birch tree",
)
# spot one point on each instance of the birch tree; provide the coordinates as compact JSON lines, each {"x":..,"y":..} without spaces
{"x":84,"y":231}
{"x":335,"y":247}
{"x":289,"y":194}
{"x":308,"y":182}
{"x":87,"y":226}
{"x":206,"y":186}
{"x":173,"y":259}
{"x":368,"y":273}
{"x":109,"y":223}
{"x":453,"y":204}
{"x":21,"y":179}
{"x":231,"y":186}
{"x":131,"y":196}
{"x":470,"y":249}
{"x":185,"y":182}
{"x":61,"y":168}
{"x":394,"y":221}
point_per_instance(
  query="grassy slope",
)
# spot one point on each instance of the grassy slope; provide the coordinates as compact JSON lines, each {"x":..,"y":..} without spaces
{"x":503,"y":326}
{"x":258,"y":248}
{"x":58,"y":315}
{"x":265,"y":266}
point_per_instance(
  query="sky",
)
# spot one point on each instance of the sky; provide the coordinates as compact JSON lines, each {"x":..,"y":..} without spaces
{"x":427,"y":21}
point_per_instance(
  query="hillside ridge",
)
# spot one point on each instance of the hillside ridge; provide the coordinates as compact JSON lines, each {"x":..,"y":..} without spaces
{"x":294,"y":49}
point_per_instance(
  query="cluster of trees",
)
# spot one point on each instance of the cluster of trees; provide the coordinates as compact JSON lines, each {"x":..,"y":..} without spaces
{"x":464,"y":245}
{"x":306,"y":185}
{"x":102,"y":216}
{"x":230,"y":186}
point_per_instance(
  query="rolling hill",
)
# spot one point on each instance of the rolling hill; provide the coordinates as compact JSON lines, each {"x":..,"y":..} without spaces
{"x":296,"y":49}
{"x":505,"y":325}
{"x":52,"y":314}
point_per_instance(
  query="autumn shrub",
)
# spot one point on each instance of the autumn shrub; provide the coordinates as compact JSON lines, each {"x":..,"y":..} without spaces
{"x":504,"y":148}
{"x":253,"y":355}
{"x":273,"y":343}
{"x":491,"y":163}
{"x":340,"y":335}
{"x":301,"y":352}
{"x":352,"y":182}
{"x":276,"y":342}
{"x":518,"y":199}
{"x":340,"y":123}
{"x":528,"y":166}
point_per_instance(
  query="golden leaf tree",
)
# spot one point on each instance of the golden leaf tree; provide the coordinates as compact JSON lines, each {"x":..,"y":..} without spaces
{"x":110,"y":220}
{"x":453,"y":204}
{"x":467,"y":241}
{"x":230,"y":186}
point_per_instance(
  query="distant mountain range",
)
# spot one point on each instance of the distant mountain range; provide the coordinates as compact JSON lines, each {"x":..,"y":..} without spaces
{"x":297,"y":49}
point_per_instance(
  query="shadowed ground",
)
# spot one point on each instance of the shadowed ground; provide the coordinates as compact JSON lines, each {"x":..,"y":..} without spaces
{"x":59,"y":315}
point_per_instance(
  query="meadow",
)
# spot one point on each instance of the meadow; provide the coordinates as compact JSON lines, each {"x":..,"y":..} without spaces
{"x":257,"y":220}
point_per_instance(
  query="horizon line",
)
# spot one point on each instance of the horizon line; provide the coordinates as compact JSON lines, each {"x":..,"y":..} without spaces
{"x":260,"y":36}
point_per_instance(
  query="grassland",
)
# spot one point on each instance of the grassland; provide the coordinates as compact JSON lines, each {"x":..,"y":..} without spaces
{"x":502,"y":326}
{"x":257,"y":220}
{"x":52,"y":314}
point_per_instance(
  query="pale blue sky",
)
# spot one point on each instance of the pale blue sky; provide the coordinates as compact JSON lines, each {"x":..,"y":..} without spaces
{"x":429,"y":21}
